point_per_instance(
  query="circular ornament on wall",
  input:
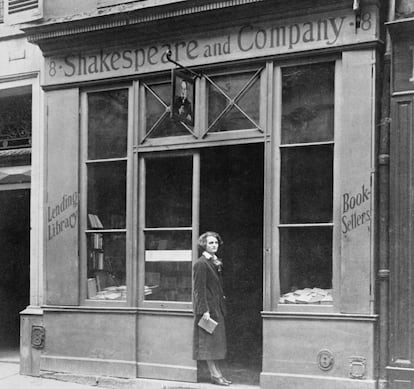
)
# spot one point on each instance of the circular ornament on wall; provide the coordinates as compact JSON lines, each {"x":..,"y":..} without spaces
{"x":325,"y":360}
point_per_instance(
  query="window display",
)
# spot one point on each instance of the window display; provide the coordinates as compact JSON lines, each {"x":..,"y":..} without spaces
{"x":306,"y":184}
{"x":106,"y":168}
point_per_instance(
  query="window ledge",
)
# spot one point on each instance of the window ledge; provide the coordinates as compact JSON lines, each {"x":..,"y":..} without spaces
{"x":318,"y":315}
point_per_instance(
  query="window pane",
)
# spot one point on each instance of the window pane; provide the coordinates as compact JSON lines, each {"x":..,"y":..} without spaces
{"x":169,"y":192}
{"x":155,"y":109}
{"x":232,"y":120}
{"x":308,"y":103}
{"x":107,"y":194}
{"x":107,"y":124}
{"x":306,"y":264}
{"x":168,"y":127}
{"x":229,"y":87}
{"x":106,"y":266}
{"x":15,"y":121}
{"x":307,"y":184}
{"x":168,"y":265}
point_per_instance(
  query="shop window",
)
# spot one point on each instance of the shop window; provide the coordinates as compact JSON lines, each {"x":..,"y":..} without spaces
{"x":15,"y":121}
{"x":158,"y":122}
{"x":107,"y":111}
{"x":306,"y":184}
{"x":168,"y":228}
{"x":233,"y":101}
{"x":106,"y":167}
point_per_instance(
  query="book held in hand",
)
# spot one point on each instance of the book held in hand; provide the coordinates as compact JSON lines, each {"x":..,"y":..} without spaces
{"x":208,"y":325}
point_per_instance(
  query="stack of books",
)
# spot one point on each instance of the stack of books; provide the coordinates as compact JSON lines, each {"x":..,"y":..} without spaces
{"x":111,"y":293}
{"x":308,"y":296}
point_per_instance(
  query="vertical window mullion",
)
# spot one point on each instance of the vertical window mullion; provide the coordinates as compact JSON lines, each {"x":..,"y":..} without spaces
{"x":130,"y":216}
{"x":141,"y":223}
{"x":83,"y":195}
{"x":274,"y":281}
{"x":336,"y":239}
{"x":196,"y":204}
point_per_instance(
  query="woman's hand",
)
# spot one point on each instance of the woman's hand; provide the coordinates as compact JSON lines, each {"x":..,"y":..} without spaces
{"x":206,"y":315}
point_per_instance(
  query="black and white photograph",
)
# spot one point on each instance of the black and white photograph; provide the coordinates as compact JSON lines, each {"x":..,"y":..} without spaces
{"x":206,"y":193}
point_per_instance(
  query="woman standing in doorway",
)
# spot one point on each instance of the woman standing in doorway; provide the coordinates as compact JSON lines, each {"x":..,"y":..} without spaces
{"x":209,"y":303}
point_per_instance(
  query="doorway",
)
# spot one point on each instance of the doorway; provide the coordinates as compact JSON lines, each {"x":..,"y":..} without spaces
{"x":231,"y":203}
{"x":14,"y":266}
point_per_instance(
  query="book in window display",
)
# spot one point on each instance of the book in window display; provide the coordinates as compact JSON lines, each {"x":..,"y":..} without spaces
{"x":94,"y":221}
{"x":308,"y":296}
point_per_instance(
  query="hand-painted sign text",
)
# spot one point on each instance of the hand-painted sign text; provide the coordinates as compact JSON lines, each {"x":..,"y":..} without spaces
{"x":246,"y":41}
{"x":62,"y":216}
{"x":356,"y":209}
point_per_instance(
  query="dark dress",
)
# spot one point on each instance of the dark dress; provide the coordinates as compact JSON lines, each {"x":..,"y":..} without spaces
{"x":208,"y":296}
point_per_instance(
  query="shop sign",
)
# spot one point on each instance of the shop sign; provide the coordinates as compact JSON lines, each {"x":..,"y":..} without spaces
{"x":63,"y":215}
{"x":356,"y":209}
{"x":255,"y":39}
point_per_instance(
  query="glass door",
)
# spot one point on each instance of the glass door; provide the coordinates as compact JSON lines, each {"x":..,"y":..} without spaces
{"x":167,"y":227}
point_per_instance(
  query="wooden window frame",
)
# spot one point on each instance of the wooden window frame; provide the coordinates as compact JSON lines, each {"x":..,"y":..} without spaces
{"x":270,"y":120}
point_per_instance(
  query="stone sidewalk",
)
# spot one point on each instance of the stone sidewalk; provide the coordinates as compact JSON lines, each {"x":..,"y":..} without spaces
{"x":11,"y":379}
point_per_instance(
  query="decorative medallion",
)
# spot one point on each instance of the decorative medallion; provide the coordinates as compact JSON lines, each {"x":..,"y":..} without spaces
{"x":357,"y":367}
{"x":325,"y":360}
{"x":38,"y":337}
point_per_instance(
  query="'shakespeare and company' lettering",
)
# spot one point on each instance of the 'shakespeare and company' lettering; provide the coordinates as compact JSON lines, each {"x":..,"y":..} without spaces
{"x":242,"y":42}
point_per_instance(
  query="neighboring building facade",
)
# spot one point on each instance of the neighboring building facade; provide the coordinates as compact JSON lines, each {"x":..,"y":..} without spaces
{"x":20,"y":176}
{"x":400,"y":369}
{"x":277,"y":151}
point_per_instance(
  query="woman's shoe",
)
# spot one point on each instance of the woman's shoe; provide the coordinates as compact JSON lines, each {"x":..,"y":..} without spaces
{"x":219,"y":381}
{"x":226,"y":380}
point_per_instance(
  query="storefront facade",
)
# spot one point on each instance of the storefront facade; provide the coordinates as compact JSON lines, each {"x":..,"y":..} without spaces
{"x":277,"y":154}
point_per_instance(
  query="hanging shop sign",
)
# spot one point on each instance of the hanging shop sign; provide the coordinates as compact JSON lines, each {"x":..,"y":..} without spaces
{"x":255,"y":39}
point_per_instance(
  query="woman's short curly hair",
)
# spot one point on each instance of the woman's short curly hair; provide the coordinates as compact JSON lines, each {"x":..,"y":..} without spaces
{"x":202,"y":240}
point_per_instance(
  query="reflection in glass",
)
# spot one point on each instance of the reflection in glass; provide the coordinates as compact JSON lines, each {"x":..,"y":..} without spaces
{"x":229,"y":87}
{"x":306,"y":194}
{"x":107,"y":193}
{"x":106,"y":266}
{"x":308,"y":103}
{"x":169,"y":192}
{"x":306,"y":261}
{"x":168,"y":265}
{"x":156,"y":110}
{"x":107,"y":124}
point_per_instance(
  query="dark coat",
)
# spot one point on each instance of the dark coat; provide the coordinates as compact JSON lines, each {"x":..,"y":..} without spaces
{"x":208,"y":296}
